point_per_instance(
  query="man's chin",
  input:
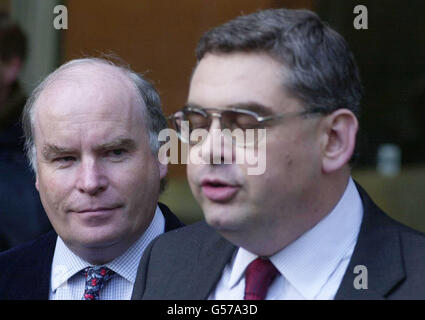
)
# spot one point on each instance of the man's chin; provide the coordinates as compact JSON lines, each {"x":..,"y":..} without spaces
{"x":97,"y":238}
{"x":222,"y":220}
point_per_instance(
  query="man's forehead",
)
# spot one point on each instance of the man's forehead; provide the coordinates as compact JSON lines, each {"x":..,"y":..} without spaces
{"x":240,"y":62}
{"x":89,"y":80}
{"x":237,"y":70}
{"x":223,"y":80}
{"x":85,"y":89}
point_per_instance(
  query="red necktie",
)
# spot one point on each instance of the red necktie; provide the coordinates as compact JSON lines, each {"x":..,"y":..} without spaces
{"x":258,"y":277}
{"x":96,"y":277}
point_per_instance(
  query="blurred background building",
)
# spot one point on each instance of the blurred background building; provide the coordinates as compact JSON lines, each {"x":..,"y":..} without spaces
{"x":158,"y":38}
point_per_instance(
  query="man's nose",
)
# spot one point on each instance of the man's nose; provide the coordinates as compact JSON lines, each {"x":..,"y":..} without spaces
{"x":217,"y":148}
{"x":91,"y":178}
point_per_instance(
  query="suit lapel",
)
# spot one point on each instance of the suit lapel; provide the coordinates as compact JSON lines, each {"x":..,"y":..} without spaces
{"x":379,"y":249}
{"x":212,"y":259}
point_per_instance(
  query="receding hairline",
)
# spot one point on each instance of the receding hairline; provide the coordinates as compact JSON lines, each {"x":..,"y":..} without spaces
{"x":85,"y":70}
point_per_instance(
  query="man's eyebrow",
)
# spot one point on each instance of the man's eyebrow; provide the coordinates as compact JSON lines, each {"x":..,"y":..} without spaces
{"x":250,"y":106}
{"x":50,"y":150}
{"x":117,"y":143}
{"x":193,"y":105}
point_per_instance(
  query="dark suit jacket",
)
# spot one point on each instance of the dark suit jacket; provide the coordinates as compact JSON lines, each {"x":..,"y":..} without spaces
{"x":25,"y":270}
{"x":187,"y":263}
{"x":22,"y":217}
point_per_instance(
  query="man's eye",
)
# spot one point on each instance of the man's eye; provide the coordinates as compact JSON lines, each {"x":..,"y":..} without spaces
{"x":64,"y":159}
{"x":117,"y":152}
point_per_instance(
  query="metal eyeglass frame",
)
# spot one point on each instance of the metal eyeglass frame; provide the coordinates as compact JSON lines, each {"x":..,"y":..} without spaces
{"x":210,"y":113}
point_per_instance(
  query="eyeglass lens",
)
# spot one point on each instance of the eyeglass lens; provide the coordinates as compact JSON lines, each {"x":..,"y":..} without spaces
{"x":229,"y":119}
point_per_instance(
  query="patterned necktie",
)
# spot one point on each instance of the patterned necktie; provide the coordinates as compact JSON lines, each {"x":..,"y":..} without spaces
{"x":258,"y":277}
{"x":96,"y":277}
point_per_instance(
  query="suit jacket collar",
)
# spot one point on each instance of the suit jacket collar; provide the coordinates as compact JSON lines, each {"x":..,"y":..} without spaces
{"x":32,"y":269}
{"x":171,"y":221}
{"x":379,"y":249}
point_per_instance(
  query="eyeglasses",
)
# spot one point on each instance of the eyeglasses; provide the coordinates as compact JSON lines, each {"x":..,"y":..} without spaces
{"x":234,"y":119}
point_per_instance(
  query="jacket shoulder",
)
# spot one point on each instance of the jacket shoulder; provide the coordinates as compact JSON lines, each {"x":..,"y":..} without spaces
{"x":28,"y":249}
{"x":34,"y":257}
{"x":184,"y":240}
{"x":393,"y":255}
{"x":413,"y":246}
{"x":175,"y":262}
{"x":192,"y":231}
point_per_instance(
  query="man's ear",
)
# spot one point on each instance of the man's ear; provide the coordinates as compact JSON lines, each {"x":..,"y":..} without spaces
{"x":339,"y":131}
{"x":11,"y":70}
{"x":36,"y":183}
{"x":162,"y":164}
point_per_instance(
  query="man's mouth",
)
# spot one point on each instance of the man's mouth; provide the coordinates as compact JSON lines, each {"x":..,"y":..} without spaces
{"x":219,"y":190}
{"x":96,"y":210}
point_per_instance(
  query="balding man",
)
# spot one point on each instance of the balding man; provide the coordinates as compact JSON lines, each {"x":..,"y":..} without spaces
{"x":91,"y":136}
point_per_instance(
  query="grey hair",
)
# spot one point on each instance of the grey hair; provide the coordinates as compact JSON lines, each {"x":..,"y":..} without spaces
{"x":319,"y":69}
{"x":146,"y":91}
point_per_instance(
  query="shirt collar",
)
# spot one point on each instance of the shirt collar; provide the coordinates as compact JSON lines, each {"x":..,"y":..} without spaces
{"x":309,"y":261}
{"x":66,"y":263}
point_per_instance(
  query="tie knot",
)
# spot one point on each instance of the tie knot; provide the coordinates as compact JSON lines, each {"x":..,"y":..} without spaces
{"x":258,"y":276}
{"x":96,"y":277}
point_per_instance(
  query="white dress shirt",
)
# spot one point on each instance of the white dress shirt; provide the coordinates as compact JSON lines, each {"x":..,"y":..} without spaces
{"x":311,"y":267}
{"x":67,"y":282}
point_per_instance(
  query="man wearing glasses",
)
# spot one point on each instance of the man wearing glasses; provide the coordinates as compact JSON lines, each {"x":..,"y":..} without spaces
{"x":303,"y":229}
